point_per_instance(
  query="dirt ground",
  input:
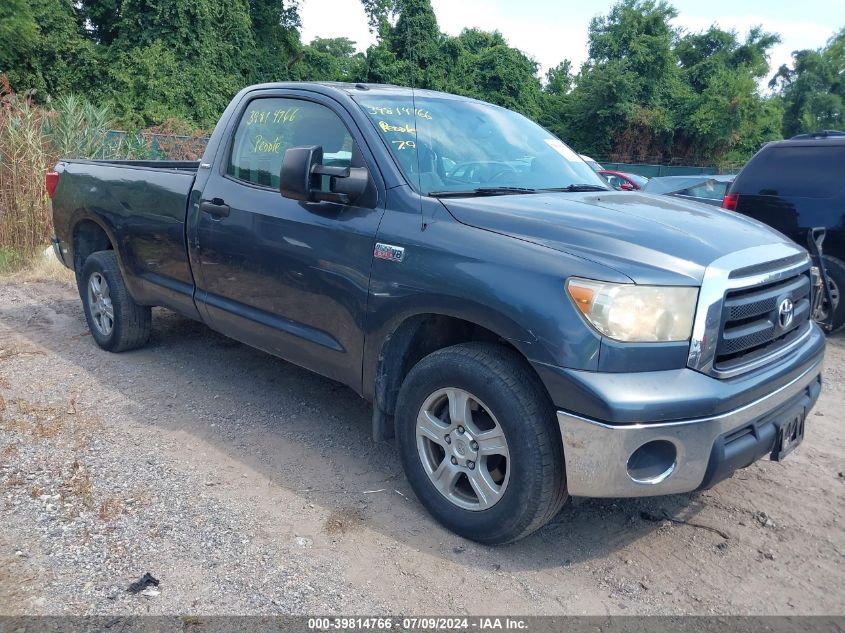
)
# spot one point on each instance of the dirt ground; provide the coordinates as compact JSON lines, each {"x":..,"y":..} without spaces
{"x":248,"y":485}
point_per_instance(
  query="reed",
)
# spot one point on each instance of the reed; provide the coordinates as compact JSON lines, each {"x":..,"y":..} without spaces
{"x":33,"y":138}
{"x":24,"y":156}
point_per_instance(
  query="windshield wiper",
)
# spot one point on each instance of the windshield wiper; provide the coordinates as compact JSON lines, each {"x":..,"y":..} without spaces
{"x":578,"y":187}
{"x":482,"y":191}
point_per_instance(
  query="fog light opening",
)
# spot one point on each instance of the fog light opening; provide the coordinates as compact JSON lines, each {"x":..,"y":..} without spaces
{"x":652,"y":462}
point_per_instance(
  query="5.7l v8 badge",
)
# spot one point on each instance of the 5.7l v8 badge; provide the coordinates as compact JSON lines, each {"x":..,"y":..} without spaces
{"x":388,"y":251}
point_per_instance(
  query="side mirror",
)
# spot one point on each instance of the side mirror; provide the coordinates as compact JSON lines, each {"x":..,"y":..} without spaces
{"x":303,"y":173}
{"x":626,"y":186}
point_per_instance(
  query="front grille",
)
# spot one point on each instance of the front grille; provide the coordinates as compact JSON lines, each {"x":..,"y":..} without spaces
{"x":751,"y":325}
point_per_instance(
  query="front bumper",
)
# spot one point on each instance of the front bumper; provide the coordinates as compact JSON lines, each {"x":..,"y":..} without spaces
{"x":706,"y":450}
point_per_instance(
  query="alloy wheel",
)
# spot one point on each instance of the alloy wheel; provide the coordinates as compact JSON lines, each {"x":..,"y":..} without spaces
{"x":100,"y":304}
{"x":463,"y":449}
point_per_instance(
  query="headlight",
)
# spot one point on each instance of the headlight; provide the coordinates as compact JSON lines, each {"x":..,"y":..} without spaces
{"x":632,"y":313}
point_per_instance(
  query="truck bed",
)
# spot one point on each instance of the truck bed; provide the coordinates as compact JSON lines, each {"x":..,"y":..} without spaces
{"x":141,"y":205}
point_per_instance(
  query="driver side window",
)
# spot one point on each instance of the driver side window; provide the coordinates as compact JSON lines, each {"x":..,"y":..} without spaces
{"x":270,"y":126}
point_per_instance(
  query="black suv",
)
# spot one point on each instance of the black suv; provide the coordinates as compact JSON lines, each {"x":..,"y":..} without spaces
{"x":796,"y":185}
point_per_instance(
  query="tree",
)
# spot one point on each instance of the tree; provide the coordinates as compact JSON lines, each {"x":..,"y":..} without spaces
{"x":59,"y":59}
{"x":559,"y":79}
{"x":413,"y":51}
{"x":274,"y":25}
{"x":18,"y":32}
{"x":379,"y":13}
{"x":482,"y":65}
{"x":647,"y":90}
{"x":330,"y":59}
{"x":102,"y":18}
{"x":720,"y":110}
{"x":813,"y":90}
{"x":638,"y":34}
{"x":598,"y":109}
{"x":651,"y":92}
{"x":623,"y":93}
{"x":417,"y":41}
{"x":180,"y":59}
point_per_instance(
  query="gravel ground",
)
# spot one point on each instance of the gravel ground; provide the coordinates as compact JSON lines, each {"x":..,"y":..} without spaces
{"x":247,"y":485}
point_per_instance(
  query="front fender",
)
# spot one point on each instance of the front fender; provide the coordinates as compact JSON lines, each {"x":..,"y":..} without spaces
{"x":510,"y":287}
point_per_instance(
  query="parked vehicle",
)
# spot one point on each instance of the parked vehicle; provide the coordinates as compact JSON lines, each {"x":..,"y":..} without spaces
{"x":623,"y":181}
{"x":709,"y":189}
{"x":817,"y":135}
{"x":797,"y":185}
{"x":591,"y":162}
{"x":525,"y":338}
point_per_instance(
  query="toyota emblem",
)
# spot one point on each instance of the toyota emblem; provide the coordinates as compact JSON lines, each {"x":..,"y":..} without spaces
{"x":786,"y":310}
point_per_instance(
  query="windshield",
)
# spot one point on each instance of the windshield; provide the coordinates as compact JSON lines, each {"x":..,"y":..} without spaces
{"x":636,"y":178}
{"x":451,"y":145}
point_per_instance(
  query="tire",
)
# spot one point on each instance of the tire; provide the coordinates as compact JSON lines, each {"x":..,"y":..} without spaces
{"x":836,"y":280}
{"x":522,"y":480}
{"x":129,"y":325}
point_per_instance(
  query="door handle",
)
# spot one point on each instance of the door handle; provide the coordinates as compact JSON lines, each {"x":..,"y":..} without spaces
{"x":215,"y":207}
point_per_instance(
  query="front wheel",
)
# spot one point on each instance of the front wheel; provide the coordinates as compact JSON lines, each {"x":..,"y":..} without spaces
{"x":479,"y":443}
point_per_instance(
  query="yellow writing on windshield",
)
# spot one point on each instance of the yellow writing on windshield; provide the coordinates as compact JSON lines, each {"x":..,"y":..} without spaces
{"x":282,"y":115}
{"x":405,"y":144}
{"x":402,"y":129}
{"x":264,"y":146}
{"x":386,"y":110}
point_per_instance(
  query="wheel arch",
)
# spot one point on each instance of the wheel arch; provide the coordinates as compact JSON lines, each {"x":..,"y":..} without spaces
{"x":413,"y":338}
{"x":88,"y":235}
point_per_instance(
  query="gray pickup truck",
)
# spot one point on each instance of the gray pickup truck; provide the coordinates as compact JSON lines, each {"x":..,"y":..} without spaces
{"x":525,"y":332}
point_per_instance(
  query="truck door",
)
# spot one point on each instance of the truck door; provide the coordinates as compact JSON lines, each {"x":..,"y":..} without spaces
{"x":288,"y":277}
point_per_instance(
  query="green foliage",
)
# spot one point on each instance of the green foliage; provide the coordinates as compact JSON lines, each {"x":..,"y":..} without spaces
{"x":487,"y":68}
{"x":416,"y":37}
{"x":622,"y":100}
{"x":60,"y":59}
{"x":559,"y":79}
{"x":651,"y":92}
{"x":77,"y":128}
{"x":813,"y":89}
{"x":721,"y":111}
{"x":330,"y":59}
{"x":647,"y":91}
{"x":32,"y":139}
{"x":18,"y":33}
{"x":274,"y":26}
{"x":475,"y":63}
{"x":637,"y":34}
{"x":378,"y":14}
{"x":103,"y":18}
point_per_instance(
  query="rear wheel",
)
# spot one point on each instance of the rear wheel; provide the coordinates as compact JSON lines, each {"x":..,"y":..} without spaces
{"x":479,"y":443}
{"x":116,"y":322}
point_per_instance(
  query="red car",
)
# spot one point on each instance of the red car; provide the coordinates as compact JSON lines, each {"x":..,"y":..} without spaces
{"x":623,"y":180}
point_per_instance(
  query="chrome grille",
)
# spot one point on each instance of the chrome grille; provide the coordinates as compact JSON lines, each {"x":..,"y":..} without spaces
{"x":737,"y":326}
{"x":750,"y":319}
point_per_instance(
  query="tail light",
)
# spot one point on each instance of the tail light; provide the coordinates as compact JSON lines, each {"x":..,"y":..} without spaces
{"x":730,"y":201}
{"x":51,"y":181}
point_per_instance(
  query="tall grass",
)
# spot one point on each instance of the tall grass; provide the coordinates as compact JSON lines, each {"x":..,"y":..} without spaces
{"x":77,"y":129}
{"x":24,"y":217}
{"x":33,"y":138}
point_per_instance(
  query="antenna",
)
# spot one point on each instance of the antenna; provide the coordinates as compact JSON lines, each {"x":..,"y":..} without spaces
{"x":416,"y":133}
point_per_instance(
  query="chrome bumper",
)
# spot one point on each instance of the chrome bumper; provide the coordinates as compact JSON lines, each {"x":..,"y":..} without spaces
{"x":597,"y":454}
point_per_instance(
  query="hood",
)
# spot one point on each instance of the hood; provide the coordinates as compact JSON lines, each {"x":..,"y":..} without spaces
{"x":648,"y":238}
